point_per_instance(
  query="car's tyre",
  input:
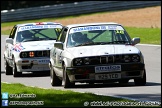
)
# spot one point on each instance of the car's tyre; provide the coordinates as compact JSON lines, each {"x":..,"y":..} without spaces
{"x":124,"y":81}
{"x":141,"y":81}
{"x":67,"y":83}
{"x":14,"y":70}
{"x":8,"y":69}
{"x":55,"y":81}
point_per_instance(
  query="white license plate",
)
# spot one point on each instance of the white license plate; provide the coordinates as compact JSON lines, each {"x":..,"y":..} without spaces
{"x":111,"y":68}
{"x":107,"y":76}
{"x":43,"y":61}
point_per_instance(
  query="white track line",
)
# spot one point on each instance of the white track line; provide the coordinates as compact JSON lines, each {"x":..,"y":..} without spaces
{"x":148,"y":45}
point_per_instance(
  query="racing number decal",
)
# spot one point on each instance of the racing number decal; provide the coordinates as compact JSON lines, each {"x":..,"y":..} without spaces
{"x":120,"y":31}
{"x":58,"y":29}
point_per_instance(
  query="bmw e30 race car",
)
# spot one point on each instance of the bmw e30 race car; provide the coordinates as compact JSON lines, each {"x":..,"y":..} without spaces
{"x":96,"y":53}
{"x":28,"y":47}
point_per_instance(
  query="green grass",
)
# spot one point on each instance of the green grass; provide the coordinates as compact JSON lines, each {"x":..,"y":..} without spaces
{"x":57,"y":98}
{"x":147,"y":35}
{"x":53,"y":97}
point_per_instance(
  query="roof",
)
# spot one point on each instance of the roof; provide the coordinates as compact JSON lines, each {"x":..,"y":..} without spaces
{"x":85,"y":24}
{"x":39,"y":23}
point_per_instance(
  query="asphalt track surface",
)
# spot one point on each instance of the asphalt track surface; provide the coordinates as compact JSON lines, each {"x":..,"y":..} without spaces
{"x":150,"y":92}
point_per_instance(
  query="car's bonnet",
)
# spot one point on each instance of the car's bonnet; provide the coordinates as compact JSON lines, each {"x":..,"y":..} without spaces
{"x":97,"y":50}
{"x":35,"y":45}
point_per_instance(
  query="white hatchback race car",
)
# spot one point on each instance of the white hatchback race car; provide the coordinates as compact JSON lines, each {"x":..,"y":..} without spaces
{"x":28,"y":47}
{"x":96,"y":53}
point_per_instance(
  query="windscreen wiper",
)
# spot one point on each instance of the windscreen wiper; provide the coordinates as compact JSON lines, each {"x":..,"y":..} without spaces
{"x":88,"y":43}
{"x":118,"y":42}
{"x":27,"y":40}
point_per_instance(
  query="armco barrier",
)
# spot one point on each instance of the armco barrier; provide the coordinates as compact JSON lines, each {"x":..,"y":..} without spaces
{"x":72,"y":9}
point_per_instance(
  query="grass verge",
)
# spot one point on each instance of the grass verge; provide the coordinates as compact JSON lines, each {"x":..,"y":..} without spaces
{"x":58,"y":98}
{"x":147,"y":35}
{"x":52,"y":97}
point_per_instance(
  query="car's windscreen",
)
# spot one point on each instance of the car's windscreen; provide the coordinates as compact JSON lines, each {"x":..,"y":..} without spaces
{"x":39,"y":34}
{"x":97,"y":35}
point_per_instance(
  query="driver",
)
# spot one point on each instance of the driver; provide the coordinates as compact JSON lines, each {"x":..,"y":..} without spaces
{"x":79,"y":38}
{"x":26,"y":35}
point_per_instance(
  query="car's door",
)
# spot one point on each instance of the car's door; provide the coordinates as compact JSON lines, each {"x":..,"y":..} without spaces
{"x":9,"y":46}
{"x":57,"y":54}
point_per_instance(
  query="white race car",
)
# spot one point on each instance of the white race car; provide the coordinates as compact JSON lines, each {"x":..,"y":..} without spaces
{"x":96,"y":53}
{"x":28,"y":47}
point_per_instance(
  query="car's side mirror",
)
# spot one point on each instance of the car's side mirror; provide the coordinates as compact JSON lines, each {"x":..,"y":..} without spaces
{"x":9,"y":40}
{"x":58,"y":45}
{"x":135,"y":40}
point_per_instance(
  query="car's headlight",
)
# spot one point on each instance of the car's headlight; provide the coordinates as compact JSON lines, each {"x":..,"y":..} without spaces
{"x":78,"y":61}
{"x":23,"y":55}
{"x":127,"y":58}
{"x":86,"y":61}
{"x":39,"y":53}
{"x":135,"y":58}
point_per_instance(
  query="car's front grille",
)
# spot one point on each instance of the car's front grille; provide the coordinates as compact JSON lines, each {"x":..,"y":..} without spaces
{"x":31,"y":54}
{"x":108,"y":59}
{"x":94,"y":60}
{"x":41,"y":53}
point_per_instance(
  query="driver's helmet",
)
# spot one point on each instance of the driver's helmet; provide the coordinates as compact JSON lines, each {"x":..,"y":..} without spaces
{"x":27,"y":34}
{"x":77,"y":37}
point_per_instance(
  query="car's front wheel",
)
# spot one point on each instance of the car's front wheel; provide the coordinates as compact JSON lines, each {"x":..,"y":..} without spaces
{"x":141,"y":81}
{"x":55,"y":81}
{"x":8,"y":69}
{"x":67,"y":83}
{"x":14,"y":70}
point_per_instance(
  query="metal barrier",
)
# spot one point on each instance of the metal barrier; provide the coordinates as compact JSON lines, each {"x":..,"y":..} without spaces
{"x":72,"y":9}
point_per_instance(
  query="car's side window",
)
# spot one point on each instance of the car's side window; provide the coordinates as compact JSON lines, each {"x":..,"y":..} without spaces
{"x":13,"y":31}
{"x":62,"y":35}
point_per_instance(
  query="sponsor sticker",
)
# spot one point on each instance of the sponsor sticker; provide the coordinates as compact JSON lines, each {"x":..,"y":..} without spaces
{"x":111,"y":68}
{"x":90,"y":28}
{"x":38,"y":27}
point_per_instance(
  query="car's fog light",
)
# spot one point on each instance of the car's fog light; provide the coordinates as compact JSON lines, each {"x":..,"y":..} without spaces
{"x":31,"y":54}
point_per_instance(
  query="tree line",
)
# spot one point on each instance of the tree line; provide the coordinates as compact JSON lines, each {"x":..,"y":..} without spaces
{"x":8,"y":5}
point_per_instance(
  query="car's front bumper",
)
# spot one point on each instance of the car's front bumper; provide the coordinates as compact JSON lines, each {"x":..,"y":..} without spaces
{"x":32,"y":64}
{"x":88,"y":74}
